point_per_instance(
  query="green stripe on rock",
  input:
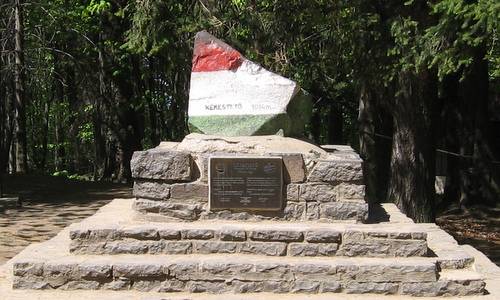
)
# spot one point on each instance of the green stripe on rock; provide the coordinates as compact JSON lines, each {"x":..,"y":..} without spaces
{"x":241,"y":125}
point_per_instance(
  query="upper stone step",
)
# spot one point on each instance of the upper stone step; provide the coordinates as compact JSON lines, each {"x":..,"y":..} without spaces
{"x":232,"y":96}
{"x":265,"y":238}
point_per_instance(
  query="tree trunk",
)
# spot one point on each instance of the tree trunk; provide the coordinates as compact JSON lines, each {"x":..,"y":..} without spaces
{"x":59,"y":136}
{"x":367,"y":143}
{"x":315,"y":126}
{"x":413,"y":148}
{"x":74,"y":106}
{"x":12,"y":156}
{"x":450,"y":127}
{"x":130,"y":123}
{"x":20,"y":105}
{"x":335,"y":124}
{"x":476,"y":169}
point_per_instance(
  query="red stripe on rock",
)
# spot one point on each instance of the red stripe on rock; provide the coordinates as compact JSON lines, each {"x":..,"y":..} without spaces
{"x":211,"y":57}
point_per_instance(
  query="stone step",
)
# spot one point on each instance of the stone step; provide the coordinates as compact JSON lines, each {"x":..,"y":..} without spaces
{"x":263,"y":238}
{"x":243,"y":274}
{"x":193,"y":209}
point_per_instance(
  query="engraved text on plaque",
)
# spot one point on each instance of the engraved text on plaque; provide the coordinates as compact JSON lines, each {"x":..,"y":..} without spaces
{"x":245,"y":183}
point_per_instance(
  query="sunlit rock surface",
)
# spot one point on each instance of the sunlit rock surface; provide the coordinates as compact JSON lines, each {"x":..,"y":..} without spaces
{"x":232,"y":96}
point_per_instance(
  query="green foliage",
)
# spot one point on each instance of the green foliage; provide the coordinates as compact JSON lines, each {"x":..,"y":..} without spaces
{"x":62,"y":173}
{"x":86,"y":133}
{"x":95,"y":65}
{"x":97,"y":7}
{"x":462,"y":29}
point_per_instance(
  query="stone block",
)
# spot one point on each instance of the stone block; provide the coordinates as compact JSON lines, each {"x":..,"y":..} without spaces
{"x":27,"y":269}
{"x":155,"y":247}
{"x":278,"y":287}
{"x":104,"y":234}
{"x":169,"y":234}
{"x":306,"y":249}
{"x":171,"y":285}
{"x":125,"y":247}
{"x":273,"y":271}
{"x":348,"y":191}
{"x":161,"y":165}
{"x":146,"y":285}
{"x":206,"y":287}
{"x":304,"y":286}
{"x":382,"y":247}
{"x":231,"y":215}
{"x":80,"y":285}
{"x":394,"y":272}
{"x":226,"y":270}
{"x":191,"y":190}
{"x":337,"y":171}
{"x":119,"y":284}
{"x":93,"y":271}
{"x":263,"y":248}
{"x":344,"y":210}
{"x":198,"y":234}
{"x":33,"y":283}
{"x":79,"y":234}
{"x":454,"y":259}
{"x":329,"y":286}
{"x":138,"y":270}
{"x":294,"y":168}
{"x":294,"y":211}
{"x":314,"y":271}
{"x":151,"y":189}
{"x":183,"y":211}
{"x":177,"y":247}
{"x":240,"y":287}
{"x":292,"y":192}
{"x":312,"y":211}
{"x":146,"y":206}
{"x":56,"y":269}
{"x":322,"y":236}
{"x":232,"y":234}
{"x":206,"y":247}
{"x":317,"y":192}
{"x":182,"y":270}
{"x":443,"y":288}
{"x":385,"y":288}
{"x":275,"y":235}
{"x":139,"y":233}
{"x":201,"y":161}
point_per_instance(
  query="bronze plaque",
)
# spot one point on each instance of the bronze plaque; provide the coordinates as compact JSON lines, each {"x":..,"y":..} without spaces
{"x":245,"y":183}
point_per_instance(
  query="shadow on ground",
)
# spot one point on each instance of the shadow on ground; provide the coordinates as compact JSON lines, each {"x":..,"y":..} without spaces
{"x":49,"y":204}
{"x":478,"y":226}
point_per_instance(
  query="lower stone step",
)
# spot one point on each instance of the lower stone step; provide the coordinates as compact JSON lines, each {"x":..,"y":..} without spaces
{"x":242,"y":274}
{"x":265,"y":238}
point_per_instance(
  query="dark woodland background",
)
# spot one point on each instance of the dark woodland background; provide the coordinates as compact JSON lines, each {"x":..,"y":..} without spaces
{"x":414,"y":86}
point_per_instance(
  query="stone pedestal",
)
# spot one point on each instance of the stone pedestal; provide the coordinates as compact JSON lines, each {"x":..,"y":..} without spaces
{"x":171,"y":179}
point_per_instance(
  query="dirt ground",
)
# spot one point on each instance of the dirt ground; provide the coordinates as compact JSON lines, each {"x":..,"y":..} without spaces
{"x":51,"y":203}
{"x":479,"y":227}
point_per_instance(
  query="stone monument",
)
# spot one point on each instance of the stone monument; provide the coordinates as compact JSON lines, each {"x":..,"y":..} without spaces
{"x":232,"y":96}
{"x":248,"y":214}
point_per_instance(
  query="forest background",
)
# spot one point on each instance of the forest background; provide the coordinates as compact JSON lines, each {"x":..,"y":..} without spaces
{"x":413,"y":85}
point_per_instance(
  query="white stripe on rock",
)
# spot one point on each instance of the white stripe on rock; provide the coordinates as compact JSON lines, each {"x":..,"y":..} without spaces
{"x":250,"y":90}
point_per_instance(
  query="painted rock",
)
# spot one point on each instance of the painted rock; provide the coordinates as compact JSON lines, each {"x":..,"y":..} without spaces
{"x":233,"y":96}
